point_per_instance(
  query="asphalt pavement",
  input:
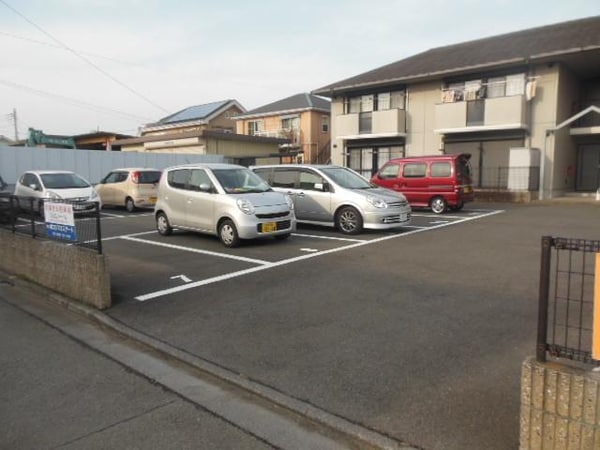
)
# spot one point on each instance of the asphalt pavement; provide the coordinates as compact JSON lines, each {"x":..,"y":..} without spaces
{"x":417,"y":339}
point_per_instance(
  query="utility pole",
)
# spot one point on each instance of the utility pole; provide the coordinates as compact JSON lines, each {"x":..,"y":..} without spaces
{"x":14,"y":114}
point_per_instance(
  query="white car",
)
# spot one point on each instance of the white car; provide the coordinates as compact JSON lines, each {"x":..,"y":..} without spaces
{"x":36,"y":186}
{"x":225,"y":200}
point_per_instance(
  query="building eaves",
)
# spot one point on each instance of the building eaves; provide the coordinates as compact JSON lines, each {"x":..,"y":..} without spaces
{"x":201,"y":134}
{"x":508,"y":49}
{"x":294,"y":104}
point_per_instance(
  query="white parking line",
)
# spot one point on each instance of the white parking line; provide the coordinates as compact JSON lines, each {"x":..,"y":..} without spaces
{"x":194,"y":250}
{"x":328,"y":237}
{"x":284,"y":262}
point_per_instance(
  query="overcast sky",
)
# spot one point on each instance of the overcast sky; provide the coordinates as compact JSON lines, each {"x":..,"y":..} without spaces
{"x":75,"y":66}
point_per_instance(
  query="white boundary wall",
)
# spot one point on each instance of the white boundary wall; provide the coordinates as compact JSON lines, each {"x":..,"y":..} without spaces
{"x":90,"y":164}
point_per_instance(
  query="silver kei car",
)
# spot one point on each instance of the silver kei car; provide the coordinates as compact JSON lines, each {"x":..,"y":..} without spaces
{"x":225,"y":200}
{"x":337,"y":196}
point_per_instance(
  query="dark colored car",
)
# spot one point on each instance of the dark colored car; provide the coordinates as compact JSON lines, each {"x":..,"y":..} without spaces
{"x":4,"y":202}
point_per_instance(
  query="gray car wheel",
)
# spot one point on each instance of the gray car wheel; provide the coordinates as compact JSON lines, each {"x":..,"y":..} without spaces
{"x":228,"y":234}
{"x":438,"y":205}
{"x":129,"y":204}
{"x":348,"y":220}
{"x":162,"y":224}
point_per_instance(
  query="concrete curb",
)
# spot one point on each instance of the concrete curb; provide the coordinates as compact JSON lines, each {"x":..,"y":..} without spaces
{"x":310,"y":412}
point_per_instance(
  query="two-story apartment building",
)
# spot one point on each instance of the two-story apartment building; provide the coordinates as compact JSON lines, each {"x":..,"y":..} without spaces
{"x":523,"y":104}
{"x":207,"y":129}
{"x":303,"y":119}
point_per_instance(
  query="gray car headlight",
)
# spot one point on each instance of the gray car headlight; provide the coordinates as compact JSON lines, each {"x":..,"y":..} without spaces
{"x":245,"y":206}
{"x":377,"y":202}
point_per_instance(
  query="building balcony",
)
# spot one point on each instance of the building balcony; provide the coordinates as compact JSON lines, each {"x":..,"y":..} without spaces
{"x":292,"y":135}
{"x":387,"y":123}
{"x":500,"y":113}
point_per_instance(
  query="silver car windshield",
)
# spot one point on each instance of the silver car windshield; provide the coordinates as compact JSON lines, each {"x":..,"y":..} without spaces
{"x":63,"y":181}
{"x":240,"y":181}
{"x":347,"y":178}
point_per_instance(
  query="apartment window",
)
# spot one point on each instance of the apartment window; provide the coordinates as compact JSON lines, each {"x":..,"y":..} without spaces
{"x":367,"y":160}
{"x":255,"y":127}
{"x":515,"y":84}
{"x":365,"y":122}
{"x":325,"y":124}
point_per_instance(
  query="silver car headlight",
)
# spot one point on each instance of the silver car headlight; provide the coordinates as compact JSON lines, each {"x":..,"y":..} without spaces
{"x":245,"y":206}
{"x":376,"y":202}
{"x":94,"y":195}
{"x":289,"y":201}
{"x":50,"y":194}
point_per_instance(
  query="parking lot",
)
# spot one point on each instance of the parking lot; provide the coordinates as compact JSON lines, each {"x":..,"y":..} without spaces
{"x":186,"y":260}
{"x":418,"y":334}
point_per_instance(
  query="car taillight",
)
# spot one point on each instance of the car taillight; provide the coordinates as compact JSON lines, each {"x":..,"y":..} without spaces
{"x":135,"y":177}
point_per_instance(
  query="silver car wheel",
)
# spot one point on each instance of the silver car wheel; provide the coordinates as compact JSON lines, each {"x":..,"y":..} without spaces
{"x":129,"y":204}
{"x":228,"y":234}
{"x":162,"y":225}
{"x":349,"y":221}
{"x":438,"y":205}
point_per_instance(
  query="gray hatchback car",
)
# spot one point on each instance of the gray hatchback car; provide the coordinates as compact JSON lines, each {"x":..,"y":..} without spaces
{"x":226,"y":200}
{"x":337,"y":196}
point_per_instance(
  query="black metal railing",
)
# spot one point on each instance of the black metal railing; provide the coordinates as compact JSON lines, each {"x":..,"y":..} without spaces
{"x":507,"y":178}
{"x":566,"y":299}
{"x":27,"y":216}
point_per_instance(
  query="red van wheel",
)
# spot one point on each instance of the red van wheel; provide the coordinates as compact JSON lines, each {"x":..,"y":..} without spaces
{"x":438,"y":205}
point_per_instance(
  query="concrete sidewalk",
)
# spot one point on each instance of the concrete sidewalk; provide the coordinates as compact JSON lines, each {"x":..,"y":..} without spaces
{"x":74,"y":378}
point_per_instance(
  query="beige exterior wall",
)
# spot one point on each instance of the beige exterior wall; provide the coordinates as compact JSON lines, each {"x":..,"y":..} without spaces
{"x":237,"y":148}
{"x":310,"y":137}
{"x":337,"y":144}
{"x":420,"y":114}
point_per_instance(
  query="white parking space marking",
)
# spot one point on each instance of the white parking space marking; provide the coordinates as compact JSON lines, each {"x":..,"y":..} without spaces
{"x":435,"y":222}
{"x":182,"y":278}
{"x":284,"y":262}
{"x":112,"y":216}
{"x":195,"y":250}
{"x":122,"y":236}
{"x":309,"y":250}
{"x":334,"y":238}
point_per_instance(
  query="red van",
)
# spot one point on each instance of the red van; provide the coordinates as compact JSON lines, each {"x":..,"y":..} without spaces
{"x":439,"y":182}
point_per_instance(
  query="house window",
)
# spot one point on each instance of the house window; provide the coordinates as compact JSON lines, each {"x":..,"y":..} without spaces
{"x":290,"y":123}
{"x":325,"y":124}
{"x":255,"y":127}
{"x":367,"y":160}
{"x":365,"y":122}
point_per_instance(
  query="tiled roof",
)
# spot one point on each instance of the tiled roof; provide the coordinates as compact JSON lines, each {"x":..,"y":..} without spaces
{"x":296,"y":102}
{"x":197,"y":112}
{"x":511,"y":48}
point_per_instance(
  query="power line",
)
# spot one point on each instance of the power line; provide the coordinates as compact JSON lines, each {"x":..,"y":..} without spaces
{"x":48,"y":44}
{"x":87,"y":61}
{"x":74,"y":102}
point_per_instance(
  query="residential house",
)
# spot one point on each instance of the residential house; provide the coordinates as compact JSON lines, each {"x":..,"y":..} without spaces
{"x":525,"y":105}
{"x":303,"y":119}
{"x":204,"y":129}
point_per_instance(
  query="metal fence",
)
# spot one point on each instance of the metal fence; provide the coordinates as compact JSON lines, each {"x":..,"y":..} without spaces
{"x":566,"y":299}
{"x":26,"y":216}
{"x":503,"y":178}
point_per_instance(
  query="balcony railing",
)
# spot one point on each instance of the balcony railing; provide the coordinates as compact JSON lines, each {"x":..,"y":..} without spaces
{"x":389,"y":122}
{"x":491,"y":113}
{"x":292,"y":135}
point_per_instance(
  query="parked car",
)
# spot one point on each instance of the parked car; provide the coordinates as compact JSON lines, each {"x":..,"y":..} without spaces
{"x":225,"y":200}
{"x":337,"y":196}
{"x":41,"y":185}
{"x":132,"y":188}
{"x":4,"y":202}
{"x":439,"y":182}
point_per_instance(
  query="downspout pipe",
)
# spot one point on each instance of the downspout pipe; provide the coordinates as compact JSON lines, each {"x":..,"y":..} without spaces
{"x":550,"y":131}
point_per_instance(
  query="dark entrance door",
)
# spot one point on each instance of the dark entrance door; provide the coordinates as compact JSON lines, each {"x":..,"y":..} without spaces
{"x":588,"y":168}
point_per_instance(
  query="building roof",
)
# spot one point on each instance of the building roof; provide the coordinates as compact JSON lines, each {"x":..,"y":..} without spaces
{"x":558,"y":42}
{"x":214,"y":134}
{"x":198,"y":112}
{"x":295,"y":103}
